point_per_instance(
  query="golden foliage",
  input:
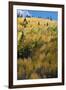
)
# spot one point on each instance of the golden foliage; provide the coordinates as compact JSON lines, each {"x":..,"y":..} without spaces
{"x":41,"y":39}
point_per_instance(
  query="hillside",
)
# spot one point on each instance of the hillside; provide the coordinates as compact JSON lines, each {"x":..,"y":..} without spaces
{"x":37,"y":48}
{"x":35,"y":22}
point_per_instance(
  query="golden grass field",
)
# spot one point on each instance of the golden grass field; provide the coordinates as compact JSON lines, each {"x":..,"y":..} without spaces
{"x":37,"y":48}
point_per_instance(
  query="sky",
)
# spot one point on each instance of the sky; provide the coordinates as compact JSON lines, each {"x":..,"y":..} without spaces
{"x":40,"y":14}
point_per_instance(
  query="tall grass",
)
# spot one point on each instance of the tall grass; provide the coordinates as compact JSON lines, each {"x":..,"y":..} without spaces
{"x":37,"y":48}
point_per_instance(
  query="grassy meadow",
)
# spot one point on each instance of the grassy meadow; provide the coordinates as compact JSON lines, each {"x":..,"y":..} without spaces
{"x":37,"y":48}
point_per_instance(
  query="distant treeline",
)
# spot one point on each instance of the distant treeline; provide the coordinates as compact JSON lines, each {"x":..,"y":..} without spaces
{"x":50,"y":18}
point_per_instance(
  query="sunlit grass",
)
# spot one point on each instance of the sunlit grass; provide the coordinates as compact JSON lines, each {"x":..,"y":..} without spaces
{"x":37,"y":48}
